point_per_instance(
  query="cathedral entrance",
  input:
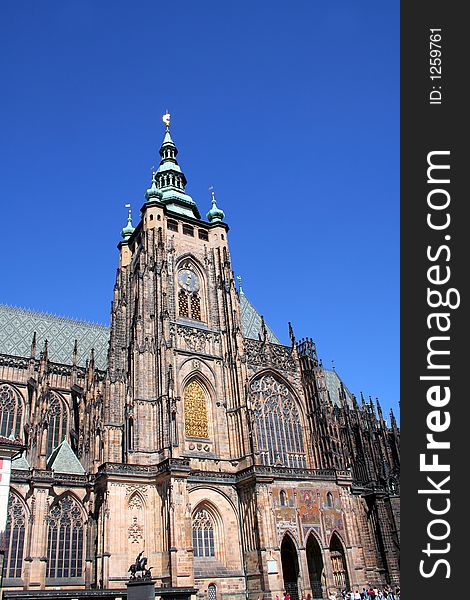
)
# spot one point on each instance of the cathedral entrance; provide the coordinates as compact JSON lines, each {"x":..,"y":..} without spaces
{"x":315,"y":567}
{"x":338,"y":562}
{"x":290,"y":567}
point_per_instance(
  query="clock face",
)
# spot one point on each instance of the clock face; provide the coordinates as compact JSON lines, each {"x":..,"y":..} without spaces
{"x":188,"y":280}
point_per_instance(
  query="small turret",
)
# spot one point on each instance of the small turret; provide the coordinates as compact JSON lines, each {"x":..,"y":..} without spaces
{"x":215,"y":215}
{"x":153,"y":193}
{"x":128,"y":230}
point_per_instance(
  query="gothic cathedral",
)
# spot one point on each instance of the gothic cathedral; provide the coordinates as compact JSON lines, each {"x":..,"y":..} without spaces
{"x":239,"y":466}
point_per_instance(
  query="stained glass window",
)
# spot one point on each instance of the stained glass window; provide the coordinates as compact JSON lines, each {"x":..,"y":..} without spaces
{"x":57,"y":428}
{"x":14,"y":538}
{"x":203,"y":534}
{"x":11,"y":411}
{"x":278,"y":424}
{"x":65,"y":540}
{"x":195,"y":411}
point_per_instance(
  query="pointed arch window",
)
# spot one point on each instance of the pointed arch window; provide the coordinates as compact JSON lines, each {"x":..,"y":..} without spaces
{"x":195,"y":411}
{"x":57,"y":428}
{"x":203,"y":534}
{"x":11,"y":411}
{"x":14,"y":538}
{"x":283,"y":498}
{"x":189,"y":295}
{"x":278,"y":424}
{"x":65,"y":540}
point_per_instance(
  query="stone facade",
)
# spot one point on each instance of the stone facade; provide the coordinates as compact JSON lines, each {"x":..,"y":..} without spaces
{"x":238,"y":465}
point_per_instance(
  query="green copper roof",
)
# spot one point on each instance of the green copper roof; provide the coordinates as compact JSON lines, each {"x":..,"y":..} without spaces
{"x":153,"y":192}
{"x":171,"y":181}
{"x":63,"y":460}
{"x":20,"y":463}
{"x":215,"y":214}
{"x":167,"y":139}
{"x":128,"y":229}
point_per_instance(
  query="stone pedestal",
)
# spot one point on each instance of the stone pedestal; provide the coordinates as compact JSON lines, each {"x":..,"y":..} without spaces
{"x":141,"y":589}
{"x":174,"y":593}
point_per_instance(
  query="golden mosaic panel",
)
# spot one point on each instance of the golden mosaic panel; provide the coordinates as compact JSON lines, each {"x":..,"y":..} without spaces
{"x":195,"y":411}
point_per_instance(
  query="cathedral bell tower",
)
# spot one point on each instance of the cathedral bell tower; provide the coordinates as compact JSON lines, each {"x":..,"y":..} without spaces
{"x":175,"y":396}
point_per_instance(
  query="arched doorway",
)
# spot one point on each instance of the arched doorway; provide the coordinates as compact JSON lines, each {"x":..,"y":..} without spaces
{"x":290,"y":567}
{"x":315,"y":567}
{"x":338,"y":562}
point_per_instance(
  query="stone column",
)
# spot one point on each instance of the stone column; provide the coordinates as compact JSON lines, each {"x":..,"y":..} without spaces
{"x":38,"y":541}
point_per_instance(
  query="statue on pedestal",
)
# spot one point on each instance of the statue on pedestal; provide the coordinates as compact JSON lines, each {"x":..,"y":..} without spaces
{"x":140,"y":566}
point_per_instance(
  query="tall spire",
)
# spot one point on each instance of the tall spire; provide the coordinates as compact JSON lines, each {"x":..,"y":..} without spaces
{"x":169,"y":179}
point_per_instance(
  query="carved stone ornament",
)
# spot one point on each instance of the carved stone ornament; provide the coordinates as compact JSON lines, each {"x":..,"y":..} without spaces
{"x":135,"y":532}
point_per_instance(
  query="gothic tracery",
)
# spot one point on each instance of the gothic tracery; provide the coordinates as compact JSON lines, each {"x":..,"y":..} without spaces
{"x":203,"y":534}
{"x":278,"y":425}
{"x":15,"y":538}
{"x":11,"y":410}
{"x":65,"y":539}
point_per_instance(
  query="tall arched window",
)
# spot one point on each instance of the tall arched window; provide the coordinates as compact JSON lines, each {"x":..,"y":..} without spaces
{"x":65,"y":539}
{"x":278,"y":424}
{"x":190,"y":285}
{"x":329,"y":500}
{"x":203,"y":534}
{"x":11,"y":411}
{"x":195,"y":411}
{"x":14,"y":538}
{"x":57,"y":428}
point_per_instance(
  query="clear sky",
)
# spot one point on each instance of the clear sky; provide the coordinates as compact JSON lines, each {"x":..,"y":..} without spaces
{"x":289,"y":109}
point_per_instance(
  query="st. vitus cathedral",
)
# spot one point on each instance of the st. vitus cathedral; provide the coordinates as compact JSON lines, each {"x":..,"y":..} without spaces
{"x":186,"y":430}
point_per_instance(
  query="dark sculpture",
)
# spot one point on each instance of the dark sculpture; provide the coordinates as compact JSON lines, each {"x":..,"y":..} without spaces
{"x":140,"y":566}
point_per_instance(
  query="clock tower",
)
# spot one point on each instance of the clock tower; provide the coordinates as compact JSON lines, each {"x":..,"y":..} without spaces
{"x":176,"y":392}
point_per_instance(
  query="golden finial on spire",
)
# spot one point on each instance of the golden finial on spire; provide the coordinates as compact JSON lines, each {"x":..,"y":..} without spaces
{"x":128,"y":206}
{"x":211,"y":190}
{"x":166,"y":119}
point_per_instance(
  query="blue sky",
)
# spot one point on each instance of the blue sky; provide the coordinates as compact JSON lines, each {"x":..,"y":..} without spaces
{"x":291,"y":112}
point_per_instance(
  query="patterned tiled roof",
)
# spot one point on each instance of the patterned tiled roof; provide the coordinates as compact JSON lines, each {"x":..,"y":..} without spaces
{"x":251,"y":321}
{"x":333,"y":385}
{"x":17,"y":327}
